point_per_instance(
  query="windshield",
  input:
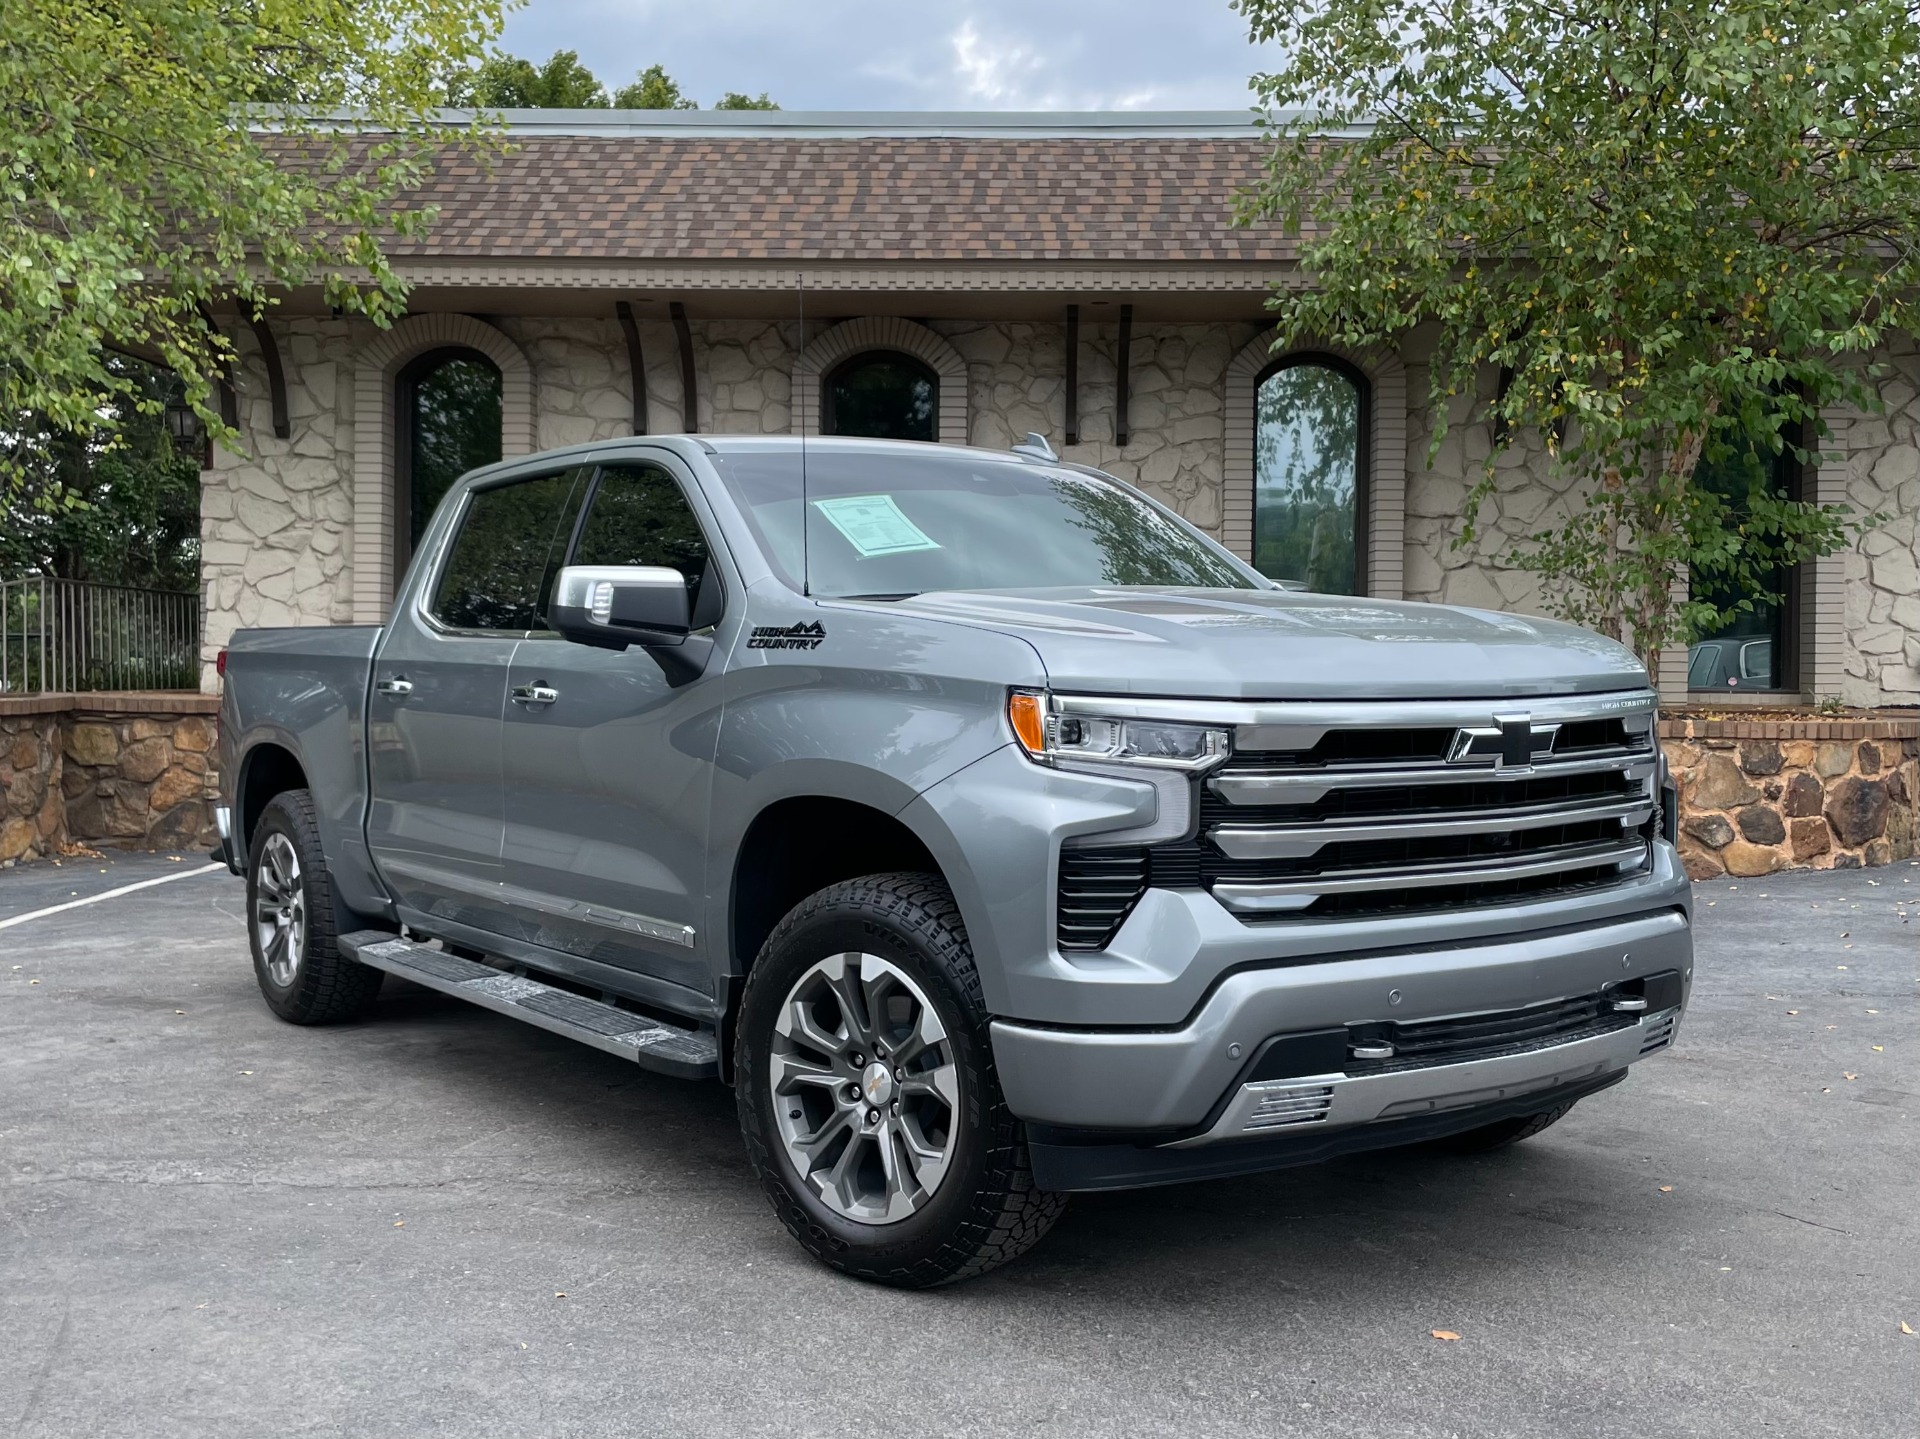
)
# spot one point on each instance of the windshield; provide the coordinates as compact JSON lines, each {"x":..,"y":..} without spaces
{"x":893,"y":524}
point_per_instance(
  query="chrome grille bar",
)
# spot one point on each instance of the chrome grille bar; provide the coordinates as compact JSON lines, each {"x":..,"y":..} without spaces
{"x":1298,"y":841}
{"x":1279,"y":896}
{"x":1305,"y":786}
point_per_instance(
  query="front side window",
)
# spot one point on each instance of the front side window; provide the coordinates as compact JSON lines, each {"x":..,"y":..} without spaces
{"x":1309,"y":501}
{"x":892,"y":524}
{"x":882,"y":395}
{"x":448,"y":407}
{"x":1751,"y":650}
{"x":640,"y":516}
{"x":501,"y":565}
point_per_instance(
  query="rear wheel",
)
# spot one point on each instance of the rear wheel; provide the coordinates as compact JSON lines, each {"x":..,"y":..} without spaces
{"x":303,"y":976}
{"x":867,"y":1093}
{"x":1500,"y":1133}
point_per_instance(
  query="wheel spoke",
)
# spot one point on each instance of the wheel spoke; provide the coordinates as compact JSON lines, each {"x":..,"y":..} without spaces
{"x":927,"y":1032}
{"x":942,"y":1083}
{"x":845,"y":982}
{"x":802,"y":1026}
{"x":791,"y":1071}
{"x":814,"y":1146}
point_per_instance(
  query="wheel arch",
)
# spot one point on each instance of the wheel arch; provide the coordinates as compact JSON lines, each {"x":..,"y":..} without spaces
{"x":268,"y":768}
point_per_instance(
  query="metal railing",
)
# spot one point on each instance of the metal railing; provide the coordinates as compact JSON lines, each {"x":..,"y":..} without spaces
{"x":63,"y":636}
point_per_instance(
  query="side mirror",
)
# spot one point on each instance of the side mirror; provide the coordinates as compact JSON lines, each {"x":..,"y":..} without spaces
{"x":614,"y":606}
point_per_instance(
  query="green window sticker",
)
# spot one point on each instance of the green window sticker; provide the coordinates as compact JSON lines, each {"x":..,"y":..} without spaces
{"x":874,"y":525}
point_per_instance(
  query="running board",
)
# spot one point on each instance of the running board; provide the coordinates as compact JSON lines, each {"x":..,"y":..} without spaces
{"x":687,"y":1054}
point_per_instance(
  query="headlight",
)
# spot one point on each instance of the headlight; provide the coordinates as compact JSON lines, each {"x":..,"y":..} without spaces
{"x":1051,"y":737}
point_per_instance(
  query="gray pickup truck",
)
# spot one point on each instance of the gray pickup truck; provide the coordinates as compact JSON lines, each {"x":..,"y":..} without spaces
{"x":995,"y":833}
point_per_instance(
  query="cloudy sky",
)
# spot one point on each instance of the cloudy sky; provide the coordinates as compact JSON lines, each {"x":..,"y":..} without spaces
{"x":912,"y":54}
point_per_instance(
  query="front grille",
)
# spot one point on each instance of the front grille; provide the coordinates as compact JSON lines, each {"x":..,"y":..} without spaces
{"x":1378,"y":809}
{"x":1346,"y":811}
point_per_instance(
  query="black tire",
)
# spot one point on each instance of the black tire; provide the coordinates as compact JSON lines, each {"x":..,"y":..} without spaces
{"x":985,"y":1211}
{"x":323,"y":986}
{"x":1500,"y":1133}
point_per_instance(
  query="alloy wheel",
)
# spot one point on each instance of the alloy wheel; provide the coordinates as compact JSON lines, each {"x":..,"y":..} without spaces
{"x":865,"y":1089}
{"x":280,"y":909}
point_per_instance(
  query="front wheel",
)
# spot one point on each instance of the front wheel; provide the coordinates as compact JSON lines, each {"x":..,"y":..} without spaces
{"x":303,"y":976}
{"x":867,"y":1093}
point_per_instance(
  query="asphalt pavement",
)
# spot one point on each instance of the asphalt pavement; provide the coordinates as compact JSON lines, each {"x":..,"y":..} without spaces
{"x":437,"y":1221}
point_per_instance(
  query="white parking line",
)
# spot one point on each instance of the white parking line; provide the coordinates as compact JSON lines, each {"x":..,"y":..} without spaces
{"x":108,"y":894}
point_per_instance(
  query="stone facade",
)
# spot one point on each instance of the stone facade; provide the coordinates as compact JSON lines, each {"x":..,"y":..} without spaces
{"x":1759,"y":796}
{"x":33,"y":819}
{"x":278,"y":531}
{"x":1881,"y":458}
{"x":130,"y":772}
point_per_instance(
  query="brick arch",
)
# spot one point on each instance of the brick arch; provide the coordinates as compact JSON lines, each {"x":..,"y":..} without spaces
{"x":376,"y":367}
{"x":883,"y":332}
{"x":1386,"y":377}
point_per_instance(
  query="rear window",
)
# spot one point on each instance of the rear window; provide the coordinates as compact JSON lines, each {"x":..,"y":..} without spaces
{"x":503,"y":561}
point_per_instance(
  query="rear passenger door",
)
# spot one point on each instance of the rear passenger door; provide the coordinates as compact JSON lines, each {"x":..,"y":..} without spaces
{"x":436,"y":817}
{"x":608,"y":763}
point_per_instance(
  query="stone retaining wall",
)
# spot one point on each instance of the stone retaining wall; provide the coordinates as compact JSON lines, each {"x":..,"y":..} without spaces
{"x":131,"y":771}
{"x":1762,"y":795}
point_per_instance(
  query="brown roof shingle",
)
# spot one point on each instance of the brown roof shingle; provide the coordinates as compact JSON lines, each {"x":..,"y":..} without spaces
{"x":873,"y":200}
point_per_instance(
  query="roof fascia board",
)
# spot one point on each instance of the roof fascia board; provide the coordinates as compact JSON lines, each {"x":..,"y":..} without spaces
{"x":871,"y":124}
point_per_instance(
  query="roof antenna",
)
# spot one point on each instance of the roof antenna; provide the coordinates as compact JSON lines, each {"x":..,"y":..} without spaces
{"x":806,"y":526}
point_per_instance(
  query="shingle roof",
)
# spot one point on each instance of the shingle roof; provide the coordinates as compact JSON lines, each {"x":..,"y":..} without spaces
{"x":876,"y":199}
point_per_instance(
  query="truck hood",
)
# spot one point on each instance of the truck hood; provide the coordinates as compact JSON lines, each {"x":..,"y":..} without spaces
{"x":1273,"y":644}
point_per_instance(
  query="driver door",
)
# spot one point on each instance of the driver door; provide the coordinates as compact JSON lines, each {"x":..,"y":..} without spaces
{"x":608,"y":763}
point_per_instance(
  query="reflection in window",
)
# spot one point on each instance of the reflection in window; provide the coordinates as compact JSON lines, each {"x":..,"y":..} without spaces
{"x":500,"y":571}
{"x":1309,"y":433}
{"x":640,"y":517}
{"x":449,"y":412}
{"x":882,"y":394}
{"x":1750,"y":651}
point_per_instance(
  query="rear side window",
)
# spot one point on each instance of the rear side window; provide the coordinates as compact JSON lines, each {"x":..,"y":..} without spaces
{"x":503,"y":561}
{"x":640,"y":516}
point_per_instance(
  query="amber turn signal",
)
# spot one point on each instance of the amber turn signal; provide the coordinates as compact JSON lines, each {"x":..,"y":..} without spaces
{"x":1027,"y":714}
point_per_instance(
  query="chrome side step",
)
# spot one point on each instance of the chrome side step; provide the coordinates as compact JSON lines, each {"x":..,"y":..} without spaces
{"x":684,"y":1053}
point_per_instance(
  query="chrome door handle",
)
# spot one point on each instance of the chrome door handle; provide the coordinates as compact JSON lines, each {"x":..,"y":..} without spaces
{"x":535,"y":694}
{"x":398,"y":686}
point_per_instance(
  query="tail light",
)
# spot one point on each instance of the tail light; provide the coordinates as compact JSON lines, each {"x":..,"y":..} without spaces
{"x":220,"y":664}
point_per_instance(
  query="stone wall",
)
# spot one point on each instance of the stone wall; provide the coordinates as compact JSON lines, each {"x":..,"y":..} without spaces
{"x":33,"y":819}
{"x":1757,"y":796}
{"x":1881,"y":452}
{"x":125,"y":771}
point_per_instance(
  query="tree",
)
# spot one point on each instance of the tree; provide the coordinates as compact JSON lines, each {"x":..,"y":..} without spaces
{"x":158,"y":157}
{"x":1677,"y":229}
{"x":653,"y":89}
{"x":507,"y":82}
{"x":734,"y":100}
{"x":123,"y":510}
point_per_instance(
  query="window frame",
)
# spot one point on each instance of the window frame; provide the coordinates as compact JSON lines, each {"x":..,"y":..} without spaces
{"x":405,"y":383}
{"x":1792,"y":636}
{"x":859,"y":357}
{"x":709,"y":604}
{"x":1363,"y":458}
{"x":428,"y":590}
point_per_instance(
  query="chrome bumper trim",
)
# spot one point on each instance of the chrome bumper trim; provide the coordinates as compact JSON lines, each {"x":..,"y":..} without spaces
{"x":1334,"y":1101}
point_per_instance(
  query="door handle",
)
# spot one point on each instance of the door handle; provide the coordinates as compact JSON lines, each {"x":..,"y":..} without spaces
{"x":399,"y":686}
{"x":535,"y":694}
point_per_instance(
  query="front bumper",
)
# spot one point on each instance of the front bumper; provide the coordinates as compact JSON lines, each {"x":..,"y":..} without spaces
{"x":1192,"y":1086}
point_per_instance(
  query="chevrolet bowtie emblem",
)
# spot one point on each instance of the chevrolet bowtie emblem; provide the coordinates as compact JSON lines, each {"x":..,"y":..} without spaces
{"x":1512,"y":742}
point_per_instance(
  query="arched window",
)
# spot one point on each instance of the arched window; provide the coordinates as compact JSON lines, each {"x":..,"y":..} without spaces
{"x":447,"y":413}
{"x":882,"y":393}
{"x":1310,"y":474}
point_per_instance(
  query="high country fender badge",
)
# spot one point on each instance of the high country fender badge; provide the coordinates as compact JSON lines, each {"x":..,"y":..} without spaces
{"x":787,"y":637}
